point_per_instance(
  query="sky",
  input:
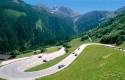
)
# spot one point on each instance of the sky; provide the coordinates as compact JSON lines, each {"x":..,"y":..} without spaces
{"x":82,"y":6}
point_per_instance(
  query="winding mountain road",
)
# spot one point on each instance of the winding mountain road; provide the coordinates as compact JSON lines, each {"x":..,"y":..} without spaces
{"x":15,"y":70}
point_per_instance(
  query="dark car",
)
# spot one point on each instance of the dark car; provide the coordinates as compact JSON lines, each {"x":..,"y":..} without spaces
{"x":44,"y":60}
{"x":76,"y":54}
{"x":73,"y":53}
{"x":39,"y":56}
{"x":60,"y":66}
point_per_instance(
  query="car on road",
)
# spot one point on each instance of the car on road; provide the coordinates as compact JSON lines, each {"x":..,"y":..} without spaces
{"x":120,"y":48}
{"x":76,"y":54}
{"x":78,"y":48}
{"x":39,"y":56}
{"x":73,"y":53}
{"x":123,"y":49}
{"x":44,"y":60}
{"x":60,"y":66}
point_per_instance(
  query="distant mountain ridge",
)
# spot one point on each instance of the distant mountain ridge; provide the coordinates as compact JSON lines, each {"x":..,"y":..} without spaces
{"x":120,"y":10}
{"x":63,"y":11}
{"x":92,"y":19}
{"x":89,"y":20}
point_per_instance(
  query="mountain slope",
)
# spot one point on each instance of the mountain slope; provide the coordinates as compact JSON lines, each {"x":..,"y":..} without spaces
{"x":23,"y":26}
{"x":109,"y":32}
{"x":120,"y":10}
{"x":81,"y":22}
{"x":92,"y":19}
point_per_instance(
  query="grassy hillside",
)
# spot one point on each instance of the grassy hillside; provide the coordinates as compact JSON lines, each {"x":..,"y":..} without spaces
{"x":95,"y":63}
{"x":122,"y":45}
{"x":52,"y":49}
{"x":109,"y":32}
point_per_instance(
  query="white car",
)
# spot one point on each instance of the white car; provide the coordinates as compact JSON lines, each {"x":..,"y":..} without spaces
{"x":123,"y":49}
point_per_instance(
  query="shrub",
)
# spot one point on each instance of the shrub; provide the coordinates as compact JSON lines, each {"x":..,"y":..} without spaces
{"x":43,"y":50}
{"x":120,"y":39}
{"x":66,"y":47}
{"x":84,"y":38}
